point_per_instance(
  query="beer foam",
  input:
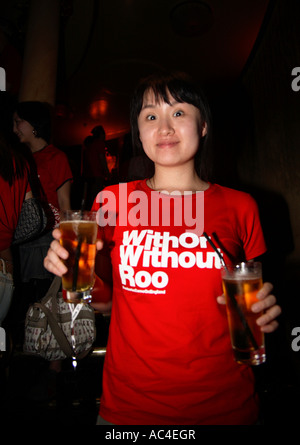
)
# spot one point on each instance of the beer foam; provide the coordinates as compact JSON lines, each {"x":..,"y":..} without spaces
{"x":242,"y":276}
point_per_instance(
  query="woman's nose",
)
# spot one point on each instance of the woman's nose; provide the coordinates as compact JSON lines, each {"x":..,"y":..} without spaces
{"x":166,"y":127}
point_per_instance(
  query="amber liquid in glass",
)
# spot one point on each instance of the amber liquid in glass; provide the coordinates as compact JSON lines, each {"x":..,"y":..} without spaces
{"x":73,"y":233}
{"x":244,"y":291}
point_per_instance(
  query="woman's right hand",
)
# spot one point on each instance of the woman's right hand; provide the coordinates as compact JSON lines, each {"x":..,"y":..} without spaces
{"x":53,"y":261}
{"x":56,"y":253}
{"x":102,"y":292}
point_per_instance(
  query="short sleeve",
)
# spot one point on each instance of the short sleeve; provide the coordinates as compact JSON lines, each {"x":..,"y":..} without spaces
{"x":250,"y":230}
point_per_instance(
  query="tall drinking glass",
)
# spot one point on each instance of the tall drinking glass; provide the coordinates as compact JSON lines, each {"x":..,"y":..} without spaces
{"x":241,"y":283}
{"x":79,"y":234}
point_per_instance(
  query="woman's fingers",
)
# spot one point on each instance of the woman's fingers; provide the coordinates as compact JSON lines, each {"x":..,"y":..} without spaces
{"x":56,"y":234}
{"x":267,"y":321}
{"x":264,"y":291}
{"x":221,"y":299}
{"x":53,"y":261}
{"x":266,"y":304}
{"x":99,"y":244}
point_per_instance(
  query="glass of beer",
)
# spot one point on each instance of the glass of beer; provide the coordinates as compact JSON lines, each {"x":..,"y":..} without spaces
{"x":241,"y":282}
{"x":78,"y":237}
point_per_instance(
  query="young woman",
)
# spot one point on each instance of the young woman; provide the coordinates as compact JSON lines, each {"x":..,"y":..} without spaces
{"x":169,"y":358}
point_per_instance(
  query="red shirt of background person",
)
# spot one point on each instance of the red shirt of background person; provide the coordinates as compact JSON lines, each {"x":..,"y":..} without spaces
{"x":14,"y":189}
{"x":54,"y":173}
{"x":14,"y":186}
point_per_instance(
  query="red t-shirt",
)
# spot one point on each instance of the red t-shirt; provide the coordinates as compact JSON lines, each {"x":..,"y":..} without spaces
{"x":169,"y":358}
{"x":11,"y":200}
{"x":53,"y":170}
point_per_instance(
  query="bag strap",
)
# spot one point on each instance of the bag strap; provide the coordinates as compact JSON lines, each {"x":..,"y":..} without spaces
{"x":53,"y":289}
{"x":57,"y":331}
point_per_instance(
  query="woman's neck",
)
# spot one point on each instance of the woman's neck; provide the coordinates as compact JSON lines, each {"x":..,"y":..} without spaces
{"x":172,"y":180}
{"x":37,"y":144}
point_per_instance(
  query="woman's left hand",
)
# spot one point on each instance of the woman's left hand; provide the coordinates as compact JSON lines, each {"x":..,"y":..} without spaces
{"x":267,"y":303}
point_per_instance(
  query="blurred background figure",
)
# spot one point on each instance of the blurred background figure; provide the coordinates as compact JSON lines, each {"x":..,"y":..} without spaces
{"x":14,"y":189}
{"x":98,"y":164}
{"x":52,"y":179}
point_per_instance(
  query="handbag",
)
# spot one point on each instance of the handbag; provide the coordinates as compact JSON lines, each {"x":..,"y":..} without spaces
{"x":6,"y":291}
{"x":55,"y":330}
{"x":31,"y":223}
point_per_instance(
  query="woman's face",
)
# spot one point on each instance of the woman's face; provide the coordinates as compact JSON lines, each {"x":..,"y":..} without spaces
{"x":23,"y":129}
{"x":170,"y":133}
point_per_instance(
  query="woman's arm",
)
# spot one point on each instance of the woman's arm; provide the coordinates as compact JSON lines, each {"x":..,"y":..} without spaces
{"x":28,"y":195}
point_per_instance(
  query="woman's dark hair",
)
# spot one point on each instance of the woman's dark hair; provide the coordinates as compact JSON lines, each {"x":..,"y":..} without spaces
{"x":12,"y":160}
{"x":38,"y":115}
{"x":182,"y":89}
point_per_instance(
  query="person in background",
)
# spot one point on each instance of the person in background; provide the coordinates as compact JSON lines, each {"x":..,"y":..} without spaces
{"x":95,"y":171}
{"x":169,"y":358}
{"x":14,"y":189}
{"x":32,"y":125}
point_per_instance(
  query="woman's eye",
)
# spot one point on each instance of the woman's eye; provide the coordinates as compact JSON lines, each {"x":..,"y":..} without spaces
{"x":178,"y":113}
{"x":150,"y":117}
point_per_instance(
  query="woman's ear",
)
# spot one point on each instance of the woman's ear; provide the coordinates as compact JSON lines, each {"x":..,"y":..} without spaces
{"x":204,"y":129}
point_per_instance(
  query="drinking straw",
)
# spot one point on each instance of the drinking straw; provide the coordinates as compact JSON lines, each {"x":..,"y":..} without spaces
{"x":78,"y":247}
{"x":77,"y":256}
{"x":215,"y":249}
{"x":233,"y":300}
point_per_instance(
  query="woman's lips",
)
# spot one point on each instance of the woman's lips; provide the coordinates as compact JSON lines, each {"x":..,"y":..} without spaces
{"x":167,"y":144}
